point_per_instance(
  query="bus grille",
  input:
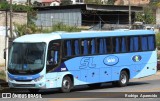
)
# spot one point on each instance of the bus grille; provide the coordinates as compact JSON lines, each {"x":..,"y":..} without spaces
{"x":23,"y":80}
{"x":24,"y":85}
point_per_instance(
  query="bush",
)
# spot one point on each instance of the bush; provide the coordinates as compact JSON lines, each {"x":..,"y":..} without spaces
{"x":63,"y":27}
{"x":2,"y":75}
{"x":158,"y":40}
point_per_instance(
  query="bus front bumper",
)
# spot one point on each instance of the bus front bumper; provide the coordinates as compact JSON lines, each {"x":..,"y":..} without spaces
{"x":31,"y":84}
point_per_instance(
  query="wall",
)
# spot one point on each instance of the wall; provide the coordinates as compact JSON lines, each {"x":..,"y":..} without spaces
{"x":158,"y":16}
{"x":48,"y":18}
{"x":2,"y":47}
{"x":18,"y":17}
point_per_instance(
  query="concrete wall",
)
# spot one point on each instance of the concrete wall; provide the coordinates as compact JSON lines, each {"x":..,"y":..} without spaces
{"x":158,"y":16}
{"x":2,"y":47}
{"x":18,"y":18}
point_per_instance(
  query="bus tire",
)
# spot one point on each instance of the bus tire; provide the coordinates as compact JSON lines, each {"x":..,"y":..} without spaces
{"x":33,"y":90}
{"x":123,"y":79}
{"x":67,"y":84}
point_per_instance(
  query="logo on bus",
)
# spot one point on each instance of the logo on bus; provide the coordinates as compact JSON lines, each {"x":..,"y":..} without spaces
{"x":87,"y":62}
{"x":136,"y":58}
{"x":111,"y":60}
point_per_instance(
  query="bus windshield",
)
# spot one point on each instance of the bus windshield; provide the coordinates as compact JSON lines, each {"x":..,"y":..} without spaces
{"x":26,"y":58}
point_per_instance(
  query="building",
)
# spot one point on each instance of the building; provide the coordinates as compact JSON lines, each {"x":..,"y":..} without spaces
{"x":77,"y":1}
{"x":18,"y":2}
{"x":84,"y":15}
{"x":51,"y":2}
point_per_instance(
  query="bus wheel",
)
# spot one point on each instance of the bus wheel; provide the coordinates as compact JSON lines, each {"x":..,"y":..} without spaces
{"x":123,"y":79}
{"x":33,"y":90}
{"x":66,"y":84}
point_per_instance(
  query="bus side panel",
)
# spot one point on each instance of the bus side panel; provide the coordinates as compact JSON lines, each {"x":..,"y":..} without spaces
{"x":93,"y":75}
{"x":105,"y":74}
{"x":51,"y":80}
{"x":148,"y":67}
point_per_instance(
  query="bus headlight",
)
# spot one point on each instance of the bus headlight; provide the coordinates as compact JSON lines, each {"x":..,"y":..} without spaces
{"x":38,"y":79}
{"x":10,"y":79}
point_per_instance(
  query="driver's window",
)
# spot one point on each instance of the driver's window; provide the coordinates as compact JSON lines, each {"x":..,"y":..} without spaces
{"x":53,"y":55}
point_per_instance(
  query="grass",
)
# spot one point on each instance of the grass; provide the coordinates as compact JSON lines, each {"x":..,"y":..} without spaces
{"x":2,"y":75}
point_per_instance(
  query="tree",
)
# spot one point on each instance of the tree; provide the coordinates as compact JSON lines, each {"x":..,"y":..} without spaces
{"x":92,"y":1}
{"x":110,"y":2}
{"x":28,"y":2}
{"x":37,"y":4}
{"x":2,"y":1}
{"x":148,"y":16}
{"x":66,"y":2}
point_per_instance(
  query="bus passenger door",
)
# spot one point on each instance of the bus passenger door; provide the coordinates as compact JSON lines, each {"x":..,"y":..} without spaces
{"x":105,"y":74}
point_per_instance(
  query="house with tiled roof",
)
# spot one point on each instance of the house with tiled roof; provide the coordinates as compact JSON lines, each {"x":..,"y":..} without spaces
{"x":51,"y":2}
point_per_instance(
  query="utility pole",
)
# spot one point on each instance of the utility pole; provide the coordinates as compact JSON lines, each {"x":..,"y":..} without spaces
{"x":129,"y":3}
{"x":6,"y":46}
{"x":11,"y":28}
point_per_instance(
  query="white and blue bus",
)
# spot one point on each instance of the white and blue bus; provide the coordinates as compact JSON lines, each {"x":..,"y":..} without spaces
{"x":64,"y":60}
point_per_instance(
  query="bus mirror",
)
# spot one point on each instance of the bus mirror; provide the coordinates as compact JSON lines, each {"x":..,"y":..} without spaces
{"x":4,"y":55}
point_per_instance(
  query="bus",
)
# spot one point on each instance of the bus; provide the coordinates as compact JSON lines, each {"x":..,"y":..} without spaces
{"x":66,"y":59}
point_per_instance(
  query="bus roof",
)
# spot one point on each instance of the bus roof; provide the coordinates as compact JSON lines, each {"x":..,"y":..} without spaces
{"x":89,"y":34}
{"x":84,"y":34}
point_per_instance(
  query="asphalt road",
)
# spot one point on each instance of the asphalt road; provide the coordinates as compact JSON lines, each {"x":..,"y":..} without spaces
{"x":135,"y":88}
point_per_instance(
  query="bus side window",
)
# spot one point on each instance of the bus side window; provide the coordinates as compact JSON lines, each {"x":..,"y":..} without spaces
{"x":108,"y":45}
{"x":136,"y":43}
{"x":67,"y":48}
{"x":144,"y":43}
{"x":93,"y":46}
{"x":76,"y":47}
{"x":151,"y":43}
{"x":102,"y":48}
{"x":123,"y":45}
{"x":84,"y":47}
{"x":53,"y":55}
{"x":116,"y":45}
{"x":130,"y":44}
